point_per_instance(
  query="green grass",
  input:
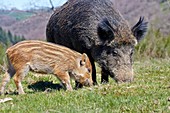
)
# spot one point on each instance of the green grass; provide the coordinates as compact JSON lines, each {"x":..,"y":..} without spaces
{"x":154,"y":45}
{"x":2,"y":53}
{"x":148,"y":93}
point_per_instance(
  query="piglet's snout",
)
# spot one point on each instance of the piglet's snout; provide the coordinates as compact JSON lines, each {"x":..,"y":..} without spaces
{"x":88,"y":82}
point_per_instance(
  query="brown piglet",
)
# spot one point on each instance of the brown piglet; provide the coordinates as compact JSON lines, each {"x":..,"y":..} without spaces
{"x":48,"y":58}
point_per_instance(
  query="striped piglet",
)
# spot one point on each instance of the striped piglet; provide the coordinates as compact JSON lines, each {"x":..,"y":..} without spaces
{"x":48,"y":58}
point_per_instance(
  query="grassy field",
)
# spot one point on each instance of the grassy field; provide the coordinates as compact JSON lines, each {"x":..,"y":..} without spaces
{"x":147,"y":94}
{"x":150,"y":92}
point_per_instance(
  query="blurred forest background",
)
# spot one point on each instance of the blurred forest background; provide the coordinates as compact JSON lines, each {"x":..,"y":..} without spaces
{"x":17,"y":25}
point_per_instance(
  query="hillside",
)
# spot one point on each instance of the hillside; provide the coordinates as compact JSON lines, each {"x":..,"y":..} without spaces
{"x":23,"y":23}
{"x":32,"y":25}
{"x":157,"y":12}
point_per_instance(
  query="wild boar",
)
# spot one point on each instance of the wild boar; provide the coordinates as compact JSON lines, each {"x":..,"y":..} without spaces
{"x":44,"y":57}
{"x":96,"y":27}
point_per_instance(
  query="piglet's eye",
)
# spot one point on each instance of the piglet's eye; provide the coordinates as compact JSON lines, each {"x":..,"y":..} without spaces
{"x":89,"y":70}
{"x":82,"y":63}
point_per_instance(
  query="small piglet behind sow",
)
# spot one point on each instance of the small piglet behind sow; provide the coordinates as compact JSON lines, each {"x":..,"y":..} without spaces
{"x":43,"y":57}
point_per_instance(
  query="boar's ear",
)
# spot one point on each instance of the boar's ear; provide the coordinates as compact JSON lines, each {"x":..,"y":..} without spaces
{"x":140,"y":29}
{"x":83,"y":59}
{"x":105,"y":31}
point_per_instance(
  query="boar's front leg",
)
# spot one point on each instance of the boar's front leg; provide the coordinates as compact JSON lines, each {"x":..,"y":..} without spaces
{"x":104,"y":78}
{"x":93,"y":72}
{"x":93,"y":69}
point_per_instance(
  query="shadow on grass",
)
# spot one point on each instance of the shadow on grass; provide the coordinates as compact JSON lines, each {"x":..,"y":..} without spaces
{"x":44,"y":86}
{"x":40,"y":86}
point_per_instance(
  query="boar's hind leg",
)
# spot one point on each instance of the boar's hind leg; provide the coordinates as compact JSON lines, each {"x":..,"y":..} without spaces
{"x":19,"y":76}
{"x":104,"y":78}
{"x":7,"y":76}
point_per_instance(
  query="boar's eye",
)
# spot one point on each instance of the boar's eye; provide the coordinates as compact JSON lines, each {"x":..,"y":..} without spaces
{"x":114,"y":53}
{"x":132,"y":51}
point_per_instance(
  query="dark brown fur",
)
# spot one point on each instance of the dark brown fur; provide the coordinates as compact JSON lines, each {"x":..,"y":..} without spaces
{"x":98,"y":29}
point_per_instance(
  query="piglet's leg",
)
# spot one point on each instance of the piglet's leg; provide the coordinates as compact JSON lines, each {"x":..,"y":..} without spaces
{"x":5,"y":80}
{"x":65,"y":79}
{"x":18,"y":77}
{"x":67,"y":85}
{"x":7,"y":76}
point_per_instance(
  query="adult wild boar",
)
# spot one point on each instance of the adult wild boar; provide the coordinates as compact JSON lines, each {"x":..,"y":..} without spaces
{"x":98,"y":29}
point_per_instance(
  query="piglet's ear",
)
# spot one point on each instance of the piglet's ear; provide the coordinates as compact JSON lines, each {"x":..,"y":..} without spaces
{"x":84,"y":59}
{"x":140,"y":29}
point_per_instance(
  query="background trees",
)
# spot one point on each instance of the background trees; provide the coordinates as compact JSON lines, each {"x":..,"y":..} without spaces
{"x":7,"y":39}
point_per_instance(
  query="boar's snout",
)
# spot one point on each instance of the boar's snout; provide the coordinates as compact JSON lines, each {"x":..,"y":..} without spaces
{"x":122,"y":74}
